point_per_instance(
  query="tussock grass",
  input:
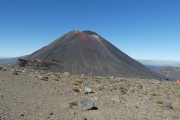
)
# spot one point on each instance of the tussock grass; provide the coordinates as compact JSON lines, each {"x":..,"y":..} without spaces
{"x":74,"y":83}
{"x":74,"y":76}
{"x":140,"y":86}
{"x":169,"y":106}
{"x":115,"y":88}
{"x":122,"y":90}
{"x":44,"y":79}
{"x":56,"y":74}
{"x":97,"y":80}
{"x":79,"y":81}
{"x":19,"y":71}
{"x":76,"y":89}
{"x":56,"y":79}
{"x":113,"y":81}
{"x":31,"y":70}
{"x":177,"y":95}
{"x":123,"y":80}
{"x":163,"y":105}
{"x":73,"y":103}
{"x":176,"y":117}
{"x":159,"y":102}
{"x":158,"y":87}
{"x":42,"y":72}
{"x":80,"y":77}
{"x":153,"y":94}
{"x":12,"y":66}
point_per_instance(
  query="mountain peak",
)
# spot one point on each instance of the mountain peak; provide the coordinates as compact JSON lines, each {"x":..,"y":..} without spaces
{"x":88,"y":53}
{"x":89,"y":32}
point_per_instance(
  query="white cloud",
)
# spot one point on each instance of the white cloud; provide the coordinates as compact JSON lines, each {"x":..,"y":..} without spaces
{"x":160,"y":62}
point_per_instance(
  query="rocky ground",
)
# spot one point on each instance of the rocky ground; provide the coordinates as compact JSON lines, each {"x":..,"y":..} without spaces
{"x":27,"y":94}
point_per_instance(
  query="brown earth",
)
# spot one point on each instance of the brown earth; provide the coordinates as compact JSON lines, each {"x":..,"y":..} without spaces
{"x":23,"y":96}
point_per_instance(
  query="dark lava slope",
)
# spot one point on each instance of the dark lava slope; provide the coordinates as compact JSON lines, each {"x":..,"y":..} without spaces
{"x":88,"y":53}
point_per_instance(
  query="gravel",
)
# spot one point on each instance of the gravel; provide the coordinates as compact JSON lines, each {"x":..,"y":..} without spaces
{"x":24,"y":97}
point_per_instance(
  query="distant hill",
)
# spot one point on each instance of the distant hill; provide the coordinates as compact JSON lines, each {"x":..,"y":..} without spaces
{"x":172,"y":72}
{"x":10,"y":61}
{"x":156,"y":64}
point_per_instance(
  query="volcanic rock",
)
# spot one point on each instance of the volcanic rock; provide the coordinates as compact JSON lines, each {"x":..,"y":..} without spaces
{"x":88,"y":90}
{"x":85,"y":103}
{"x":4,"y":69}
{"x":86,"y":53}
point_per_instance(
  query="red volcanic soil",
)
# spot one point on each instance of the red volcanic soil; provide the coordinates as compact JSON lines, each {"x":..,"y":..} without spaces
{"x":84,"y":36}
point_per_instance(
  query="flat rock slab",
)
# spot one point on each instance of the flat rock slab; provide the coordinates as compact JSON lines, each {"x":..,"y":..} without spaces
{"x":85,"y":104}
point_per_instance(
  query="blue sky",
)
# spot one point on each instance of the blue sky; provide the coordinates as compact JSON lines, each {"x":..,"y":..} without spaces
{"x":143,"y":29}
